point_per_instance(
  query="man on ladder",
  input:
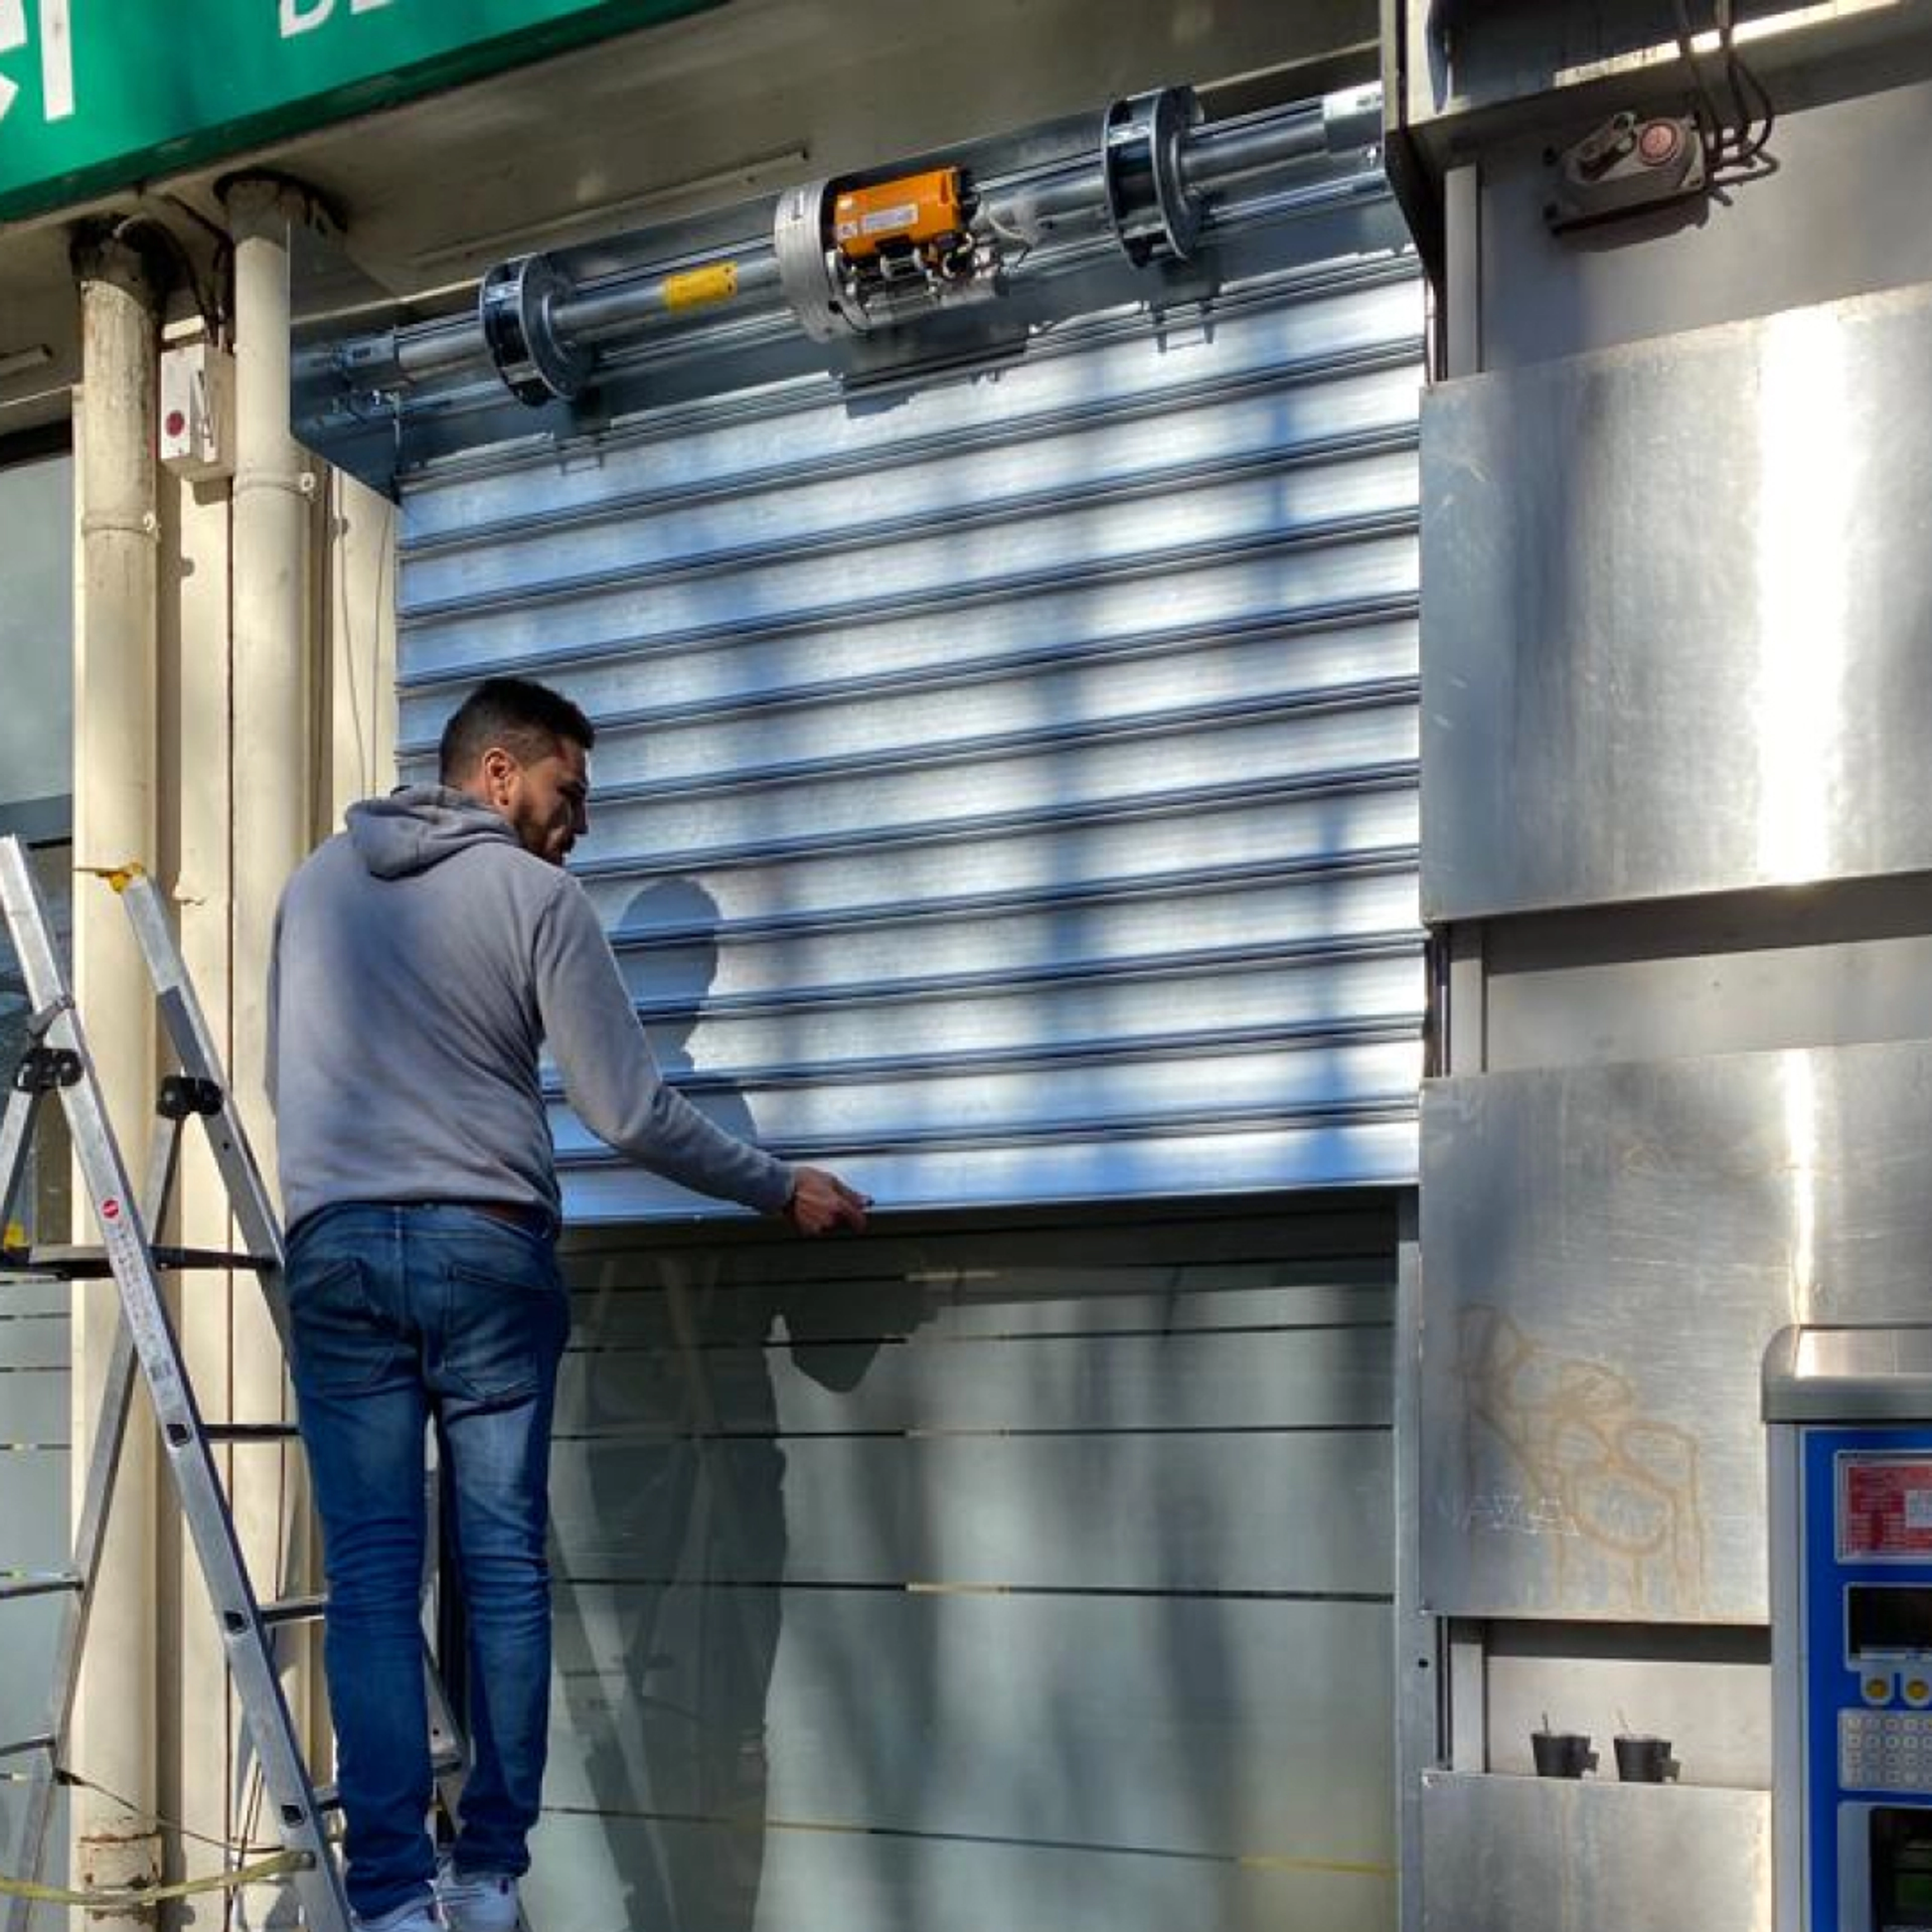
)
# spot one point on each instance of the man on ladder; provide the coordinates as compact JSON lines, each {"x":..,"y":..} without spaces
{"x":422,"y":959}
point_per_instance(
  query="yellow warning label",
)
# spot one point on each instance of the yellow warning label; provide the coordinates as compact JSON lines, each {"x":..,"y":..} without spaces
{"x":716,"y":282}
{"x":15,"y":1235}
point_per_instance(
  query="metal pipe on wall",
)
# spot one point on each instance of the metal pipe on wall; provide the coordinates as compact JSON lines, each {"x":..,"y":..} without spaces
{"x":274,"y":492}
{"x":115,"y":774}
{"x":544,"y":332}
{"x":271,"y":685}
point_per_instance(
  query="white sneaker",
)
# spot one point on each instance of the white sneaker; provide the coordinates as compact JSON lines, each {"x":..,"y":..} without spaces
{"x":419,"y":1915}
{"x":476,"y":1901}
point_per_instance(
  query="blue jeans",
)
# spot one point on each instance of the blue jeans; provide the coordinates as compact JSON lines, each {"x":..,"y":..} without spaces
{"x":402,"y":1316}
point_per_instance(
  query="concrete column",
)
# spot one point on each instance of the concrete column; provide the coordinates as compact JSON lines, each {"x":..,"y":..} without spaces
{"x":114,"y":820}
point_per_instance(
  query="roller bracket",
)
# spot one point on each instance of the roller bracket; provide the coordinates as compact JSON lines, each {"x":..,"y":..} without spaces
{"x":515,"y":305}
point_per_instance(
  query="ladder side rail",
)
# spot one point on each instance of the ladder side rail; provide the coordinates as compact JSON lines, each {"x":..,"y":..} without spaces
{"x":194,"y":1046}
{"x":195,"y":1049}
{"x":184,"y":1440}
{"x":110,"y":1429}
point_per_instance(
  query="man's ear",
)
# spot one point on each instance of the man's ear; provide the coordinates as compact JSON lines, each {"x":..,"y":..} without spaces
{"x":496,"y":768}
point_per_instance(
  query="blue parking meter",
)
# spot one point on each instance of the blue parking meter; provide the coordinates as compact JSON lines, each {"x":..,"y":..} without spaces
{"x":1849,"y":1412}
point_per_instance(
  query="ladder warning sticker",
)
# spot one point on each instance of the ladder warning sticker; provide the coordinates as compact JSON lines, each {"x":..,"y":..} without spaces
{"x":1884,"y":1506}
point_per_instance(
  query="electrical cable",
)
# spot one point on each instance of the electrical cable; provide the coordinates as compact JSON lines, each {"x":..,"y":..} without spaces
{"x":223,"y":265}
{"x":211,"y":315}
{"x":1734,"y":144}
{"x":1708,"y":119}
{"x":73,"y":1781}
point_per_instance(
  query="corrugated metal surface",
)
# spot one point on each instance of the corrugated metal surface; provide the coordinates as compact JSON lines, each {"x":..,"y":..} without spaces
{"x":1033,"y":1578}
{"x":1006,"y":782}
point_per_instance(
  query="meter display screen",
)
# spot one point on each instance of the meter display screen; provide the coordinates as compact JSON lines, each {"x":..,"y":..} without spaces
{"x":1901,"y":1845}
{"x":1889,"y":1620}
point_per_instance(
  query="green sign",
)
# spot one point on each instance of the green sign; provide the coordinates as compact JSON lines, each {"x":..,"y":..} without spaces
{"x":96,"y":94}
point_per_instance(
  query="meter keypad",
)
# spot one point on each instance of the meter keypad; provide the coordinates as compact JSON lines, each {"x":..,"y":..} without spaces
{"x":1884,"y":1750}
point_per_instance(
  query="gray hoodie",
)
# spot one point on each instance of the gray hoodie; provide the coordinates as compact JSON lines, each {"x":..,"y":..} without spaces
{"x":421,"y":960}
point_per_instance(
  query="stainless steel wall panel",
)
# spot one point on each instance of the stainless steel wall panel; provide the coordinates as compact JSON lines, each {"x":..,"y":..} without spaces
{"x":1651,"y":670}
{"x":1716,"y":1712}
{"x":35,"y":1406}
{"x":31,"y":1476}
{"x":1609,"y":1250}
{"x":35,"y":1468}
{"x":32,"y":1630}
{"x":1026,"y":751}
{"x":1558,"y":1855}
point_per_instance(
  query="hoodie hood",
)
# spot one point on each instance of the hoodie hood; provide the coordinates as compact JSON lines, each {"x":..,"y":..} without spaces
{"x":419,"y":827}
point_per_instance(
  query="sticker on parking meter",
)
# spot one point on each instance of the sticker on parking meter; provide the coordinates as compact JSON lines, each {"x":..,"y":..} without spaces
{"x":1884,"y":1506}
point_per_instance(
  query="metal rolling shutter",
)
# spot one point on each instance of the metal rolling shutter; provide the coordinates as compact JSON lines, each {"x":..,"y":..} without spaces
{"x":1006,"y":780}
{"x":997,"y":1576}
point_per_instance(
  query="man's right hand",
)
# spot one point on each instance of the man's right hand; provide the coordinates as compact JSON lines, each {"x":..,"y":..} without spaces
{"x":821,"y":1201}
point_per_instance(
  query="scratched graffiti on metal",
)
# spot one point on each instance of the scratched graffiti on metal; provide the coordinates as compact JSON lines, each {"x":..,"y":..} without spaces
{"x":1505,"y":1511}
{"x":1556,"y":1446}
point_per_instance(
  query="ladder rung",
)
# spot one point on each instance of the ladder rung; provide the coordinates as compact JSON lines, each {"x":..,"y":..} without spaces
{"x":49,"y":1583}
{"x":328,"y":1797}
{"x":294,"y":1610}
{"x":210,"y":1258}
{"x":251,"y":1432}
{"x":71,"y":1263}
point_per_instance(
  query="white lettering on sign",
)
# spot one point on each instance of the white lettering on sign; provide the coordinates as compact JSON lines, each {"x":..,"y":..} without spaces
{"x":56,"y":60}
{"x":56,"y":36}
{"x":303,"y":16}
{"x":1918,"y":1509}
{"x":13,"y":36}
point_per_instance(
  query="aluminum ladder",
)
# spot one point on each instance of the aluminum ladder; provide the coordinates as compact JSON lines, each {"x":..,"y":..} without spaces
{"x":57,"y":1063}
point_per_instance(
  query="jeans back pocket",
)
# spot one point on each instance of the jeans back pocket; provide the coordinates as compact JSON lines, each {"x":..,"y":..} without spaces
{"x":504,"y":1327}
{"x":342,"y":1343}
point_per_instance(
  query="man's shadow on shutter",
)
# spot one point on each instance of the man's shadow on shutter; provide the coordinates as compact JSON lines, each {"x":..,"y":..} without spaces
{"x":671,"y":1574}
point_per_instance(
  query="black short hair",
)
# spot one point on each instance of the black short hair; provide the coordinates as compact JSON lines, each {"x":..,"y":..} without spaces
{"x":527,"y":718}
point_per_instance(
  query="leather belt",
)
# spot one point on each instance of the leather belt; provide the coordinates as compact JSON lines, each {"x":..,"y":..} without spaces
{"x":513,"y":1214}
{"x":525,"y":1215}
